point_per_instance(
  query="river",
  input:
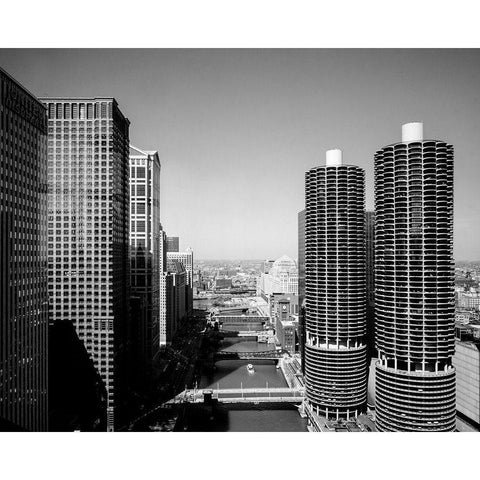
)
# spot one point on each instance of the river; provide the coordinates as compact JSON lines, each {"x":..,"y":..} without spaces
{"x":243,"y":418}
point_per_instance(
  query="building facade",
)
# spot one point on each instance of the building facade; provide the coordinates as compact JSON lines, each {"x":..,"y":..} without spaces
{"x":23,"y":258}
{"x":335,"y":296}
{"x":282,"y":277}
{"x":284,"y":326}
{"x":173,"y":244}
{"x":468,"y":300}
{"x":301,"y":257}
{"x":467,"y":364}
{"x":414,"y":284}
{"x":177,"y":307}
{"x":88,"y":232}
{"x":186,"y":259}
{"x":370,"y":276}
{"x":144,"y":252}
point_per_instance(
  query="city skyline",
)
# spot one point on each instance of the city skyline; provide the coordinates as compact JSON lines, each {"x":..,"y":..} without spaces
{"x":272,"y":113}
{"x":151,"y":330}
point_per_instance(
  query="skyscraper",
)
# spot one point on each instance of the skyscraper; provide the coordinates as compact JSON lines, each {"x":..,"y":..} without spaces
{"x":173,"y":244}
{"x":185,"y":258}
{"x":370,"y":255}
{"x":301,"y":257}
{"x":88,"y":239}
{"x":414,"y":284}
{"x":335,"y":350}
{"x":145,"y":251}
{"x":23,"y":258}
{"x":165,"y":286}
{"x":370,"y":276}
{"x":301,"y":286}
{"x":176,"y":310}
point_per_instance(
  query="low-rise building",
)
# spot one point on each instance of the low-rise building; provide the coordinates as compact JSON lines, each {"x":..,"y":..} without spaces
{"x":467,"y":363}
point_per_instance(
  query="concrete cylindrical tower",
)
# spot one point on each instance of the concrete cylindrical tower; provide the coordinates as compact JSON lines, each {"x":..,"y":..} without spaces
{"x":335,"y":350}
{"x":414,"y":284}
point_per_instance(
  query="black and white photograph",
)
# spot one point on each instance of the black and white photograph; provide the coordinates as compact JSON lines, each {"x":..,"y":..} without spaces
{"x":197,"y":242}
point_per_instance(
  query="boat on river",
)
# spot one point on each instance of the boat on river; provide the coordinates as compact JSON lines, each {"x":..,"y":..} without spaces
{"x":250,"y":368}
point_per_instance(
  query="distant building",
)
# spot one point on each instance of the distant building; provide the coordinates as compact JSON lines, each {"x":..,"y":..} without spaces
{"x":468,"y":300}
{"x":176,"y":314}
{"x":186,"y":259}
{"x":23,"y":259}
{"x":223,"y":283}
{"x":284,"y":326}
{"x":282,"y":277}
{"x":173,"y":244}
{"x":165,"y":288}
{"x":266,"y":266}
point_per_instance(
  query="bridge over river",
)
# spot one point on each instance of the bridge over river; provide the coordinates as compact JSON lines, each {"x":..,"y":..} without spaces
{"x":242,"y":395}
{"x":257,"y":355}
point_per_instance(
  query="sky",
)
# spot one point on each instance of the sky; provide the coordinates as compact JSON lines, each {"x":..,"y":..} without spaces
{"x":237,"y":129}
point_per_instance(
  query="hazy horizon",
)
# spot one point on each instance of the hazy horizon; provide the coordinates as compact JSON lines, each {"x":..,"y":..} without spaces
{"x":237,"y":129}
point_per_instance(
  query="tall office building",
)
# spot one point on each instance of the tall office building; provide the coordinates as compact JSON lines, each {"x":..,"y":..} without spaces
{"x":301,"y":257}
{"x":173,"y":244}
{"x":23,"y":258}
{"x":335,"y":350}
{"x":370,"y":276}
{"x":165,"y":286}
{"x":186,"y":259}
{"x":370,"y":255}
{"x":88,"y":238}
{"x":414,"y":284}
{"x":177,"y":309}
{"x":301,"y":286}
{"x":144,"y":253}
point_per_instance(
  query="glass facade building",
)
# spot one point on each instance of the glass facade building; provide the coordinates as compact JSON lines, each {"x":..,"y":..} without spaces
{"x":23,"y":258}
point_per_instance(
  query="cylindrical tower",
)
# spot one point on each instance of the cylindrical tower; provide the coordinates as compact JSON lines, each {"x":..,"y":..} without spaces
{"x":335,"y":350}
{"x":414,"y":284}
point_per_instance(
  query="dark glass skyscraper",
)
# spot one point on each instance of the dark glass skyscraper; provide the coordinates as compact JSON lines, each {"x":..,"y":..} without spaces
{"x":335,"y":350}
{"x":370,"y":276}
{"x":414,"y":284}
{"x":23,"y":260}
{"x":88,"y":232}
